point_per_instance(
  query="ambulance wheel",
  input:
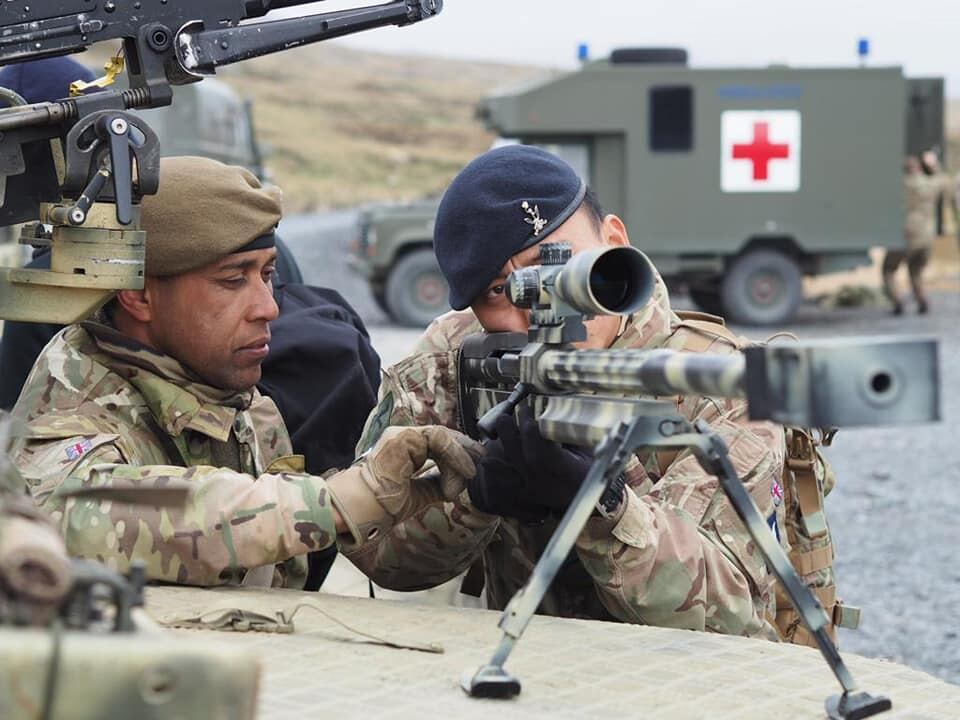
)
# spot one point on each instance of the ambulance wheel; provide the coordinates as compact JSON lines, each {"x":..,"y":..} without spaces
{"x":761,"y":287}
{"x":416,"y":291}
{"x":706,"y":296}
{"x":380,"y":297}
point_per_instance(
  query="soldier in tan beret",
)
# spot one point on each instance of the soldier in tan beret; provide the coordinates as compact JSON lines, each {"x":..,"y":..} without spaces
{"x":159,"y":388}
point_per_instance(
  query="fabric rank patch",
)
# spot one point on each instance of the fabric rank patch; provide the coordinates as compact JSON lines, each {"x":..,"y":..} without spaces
{"x":79,"y":449}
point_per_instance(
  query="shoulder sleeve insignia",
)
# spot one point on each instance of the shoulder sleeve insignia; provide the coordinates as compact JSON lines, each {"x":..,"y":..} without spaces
{"x":78,"y":449}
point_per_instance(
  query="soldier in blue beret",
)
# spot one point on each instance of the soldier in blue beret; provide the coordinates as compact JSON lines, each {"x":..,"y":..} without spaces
{"x":665,"y":548}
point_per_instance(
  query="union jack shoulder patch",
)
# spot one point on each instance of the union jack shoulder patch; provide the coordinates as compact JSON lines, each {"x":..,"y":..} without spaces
{"x":777,"y":492}
{"x":79,"y":449}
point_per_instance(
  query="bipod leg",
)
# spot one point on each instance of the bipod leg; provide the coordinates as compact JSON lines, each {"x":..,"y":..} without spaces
{"x":491,"y":680}
{"x":851,"y":705}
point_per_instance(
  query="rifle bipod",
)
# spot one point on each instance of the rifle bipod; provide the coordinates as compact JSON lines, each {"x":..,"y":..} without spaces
{"x":665,"y":431}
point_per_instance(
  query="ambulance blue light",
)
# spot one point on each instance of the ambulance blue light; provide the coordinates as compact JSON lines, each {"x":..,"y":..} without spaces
{"x":863,"y":48}
{"x":583,"y":52}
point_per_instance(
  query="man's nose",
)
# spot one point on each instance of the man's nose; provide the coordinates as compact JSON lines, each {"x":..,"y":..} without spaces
{"x":263,"y":306}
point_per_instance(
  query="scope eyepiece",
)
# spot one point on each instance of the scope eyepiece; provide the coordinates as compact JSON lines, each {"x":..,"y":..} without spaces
{"x":523,"y":287}
{"x":605,"y":281}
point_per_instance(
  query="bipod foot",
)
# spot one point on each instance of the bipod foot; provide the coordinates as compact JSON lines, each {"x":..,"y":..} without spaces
{"x":490,"y":681}
{"x":856,"y":706}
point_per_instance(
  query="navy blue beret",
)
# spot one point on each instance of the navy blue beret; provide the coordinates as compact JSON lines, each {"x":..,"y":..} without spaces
{"x":501,"y":203}
{"x":44,"y":80}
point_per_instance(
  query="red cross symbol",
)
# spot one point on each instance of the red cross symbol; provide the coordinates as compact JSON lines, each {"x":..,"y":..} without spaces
{"x":760,"y":151}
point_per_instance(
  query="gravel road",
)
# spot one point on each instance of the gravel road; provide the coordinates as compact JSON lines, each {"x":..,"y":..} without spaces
{"x":896,"y":507}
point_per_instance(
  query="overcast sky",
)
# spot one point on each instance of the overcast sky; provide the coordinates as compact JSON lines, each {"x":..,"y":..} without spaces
{"x":921,"y":35}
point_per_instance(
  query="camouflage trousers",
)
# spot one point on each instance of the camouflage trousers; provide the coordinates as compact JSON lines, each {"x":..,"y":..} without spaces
{"x":917,"y":260}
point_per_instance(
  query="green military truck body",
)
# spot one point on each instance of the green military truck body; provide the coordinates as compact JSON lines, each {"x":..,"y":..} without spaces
{"x":736,"y":182}
{"x":393,"y":249}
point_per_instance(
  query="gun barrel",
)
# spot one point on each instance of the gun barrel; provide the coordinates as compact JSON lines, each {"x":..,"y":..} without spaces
{"x":645,"y":372}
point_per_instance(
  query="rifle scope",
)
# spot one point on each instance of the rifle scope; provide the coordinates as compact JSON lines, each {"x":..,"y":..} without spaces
{"x":605,"y":281}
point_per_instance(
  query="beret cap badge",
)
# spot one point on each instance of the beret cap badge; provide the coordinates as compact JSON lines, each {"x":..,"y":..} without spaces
{"x":534,"y":219}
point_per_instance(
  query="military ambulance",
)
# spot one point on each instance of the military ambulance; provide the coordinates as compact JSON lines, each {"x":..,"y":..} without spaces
{"x":736,"y":182}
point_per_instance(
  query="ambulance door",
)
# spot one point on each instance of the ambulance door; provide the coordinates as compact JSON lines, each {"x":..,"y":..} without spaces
{"x":924,"y":116}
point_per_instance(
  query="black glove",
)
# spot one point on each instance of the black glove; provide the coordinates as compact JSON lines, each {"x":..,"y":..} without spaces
{"x":555,"y":471}
{"x":501,"y":485}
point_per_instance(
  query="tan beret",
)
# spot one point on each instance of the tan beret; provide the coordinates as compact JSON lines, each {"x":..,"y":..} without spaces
{"x":203,"y":211}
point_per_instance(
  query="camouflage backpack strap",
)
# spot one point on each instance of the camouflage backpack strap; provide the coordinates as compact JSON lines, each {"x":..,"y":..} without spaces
{"x":696,"y":332}
{"x":807,"y":477}
{"x":707,"y":329}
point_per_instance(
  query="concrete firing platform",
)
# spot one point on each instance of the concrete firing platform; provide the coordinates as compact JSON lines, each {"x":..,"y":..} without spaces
{"x":569,"y":668}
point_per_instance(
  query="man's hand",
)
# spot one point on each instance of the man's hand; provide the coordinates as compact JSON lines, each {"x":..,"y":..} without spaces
{"x":502,"y":484}
{"x":525,"y":476}
{"x":556,"y":471}
{"x":380,"y":490}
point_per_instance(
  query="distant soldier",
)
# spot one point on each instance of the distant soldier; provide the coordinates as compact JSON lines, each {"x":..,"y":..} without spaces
{"x":664,"y":546}
{"x":160,"y":388}
{"x":924,"y":185}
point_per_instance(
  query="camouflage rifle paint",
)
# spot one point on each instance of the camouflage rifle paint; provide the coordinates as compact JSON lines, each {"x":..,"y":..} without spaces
{"x":99,"y":409}
{"x":673,"y":555}
{"x":645,"y":372}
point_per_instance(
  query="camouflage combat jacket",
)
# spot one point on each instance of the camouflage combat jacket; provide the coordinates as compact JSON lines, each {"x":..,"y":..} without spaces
{"x":674,"y":555}
{"x":102,"y":410}
{"x":921,"y":193}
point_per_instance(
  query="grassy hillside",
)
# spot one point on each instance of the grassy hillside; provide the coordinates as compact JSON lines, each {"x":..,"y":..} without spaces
{"x":346,"y":127}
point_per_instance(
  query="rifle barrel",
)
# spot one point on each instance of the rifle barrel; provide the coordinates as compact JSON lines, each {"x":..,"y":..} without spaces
{"x":646,"y":372}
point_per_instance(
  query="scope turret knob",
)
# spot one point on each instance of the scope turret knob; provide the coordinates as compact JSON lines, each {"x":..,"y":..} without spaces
{"x":555,"y":253}
{"x":523,"y":287}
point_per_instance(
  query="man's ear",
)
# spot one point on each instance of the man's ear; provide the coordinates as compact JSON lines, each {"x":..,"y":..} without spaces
{"x":614,"y":231}
{"x":137,"y":304}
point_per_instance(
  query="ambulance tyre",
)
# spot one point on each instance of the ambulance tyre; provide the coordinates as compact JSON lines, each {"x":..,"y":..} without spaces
{"x":416,"y":292}
{"x":380,"y":297}
{"x":761,"y":287}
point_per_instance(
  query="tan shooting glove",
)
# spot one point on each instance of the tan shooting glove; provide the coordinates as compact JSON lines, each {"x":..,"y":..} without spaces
{"x":381,"y":490}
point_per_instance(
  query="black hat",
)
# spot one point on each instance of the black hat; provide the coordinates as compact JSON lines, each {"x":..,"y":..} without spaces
{"x":44,"y":80}
{"x":501,"y":203}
